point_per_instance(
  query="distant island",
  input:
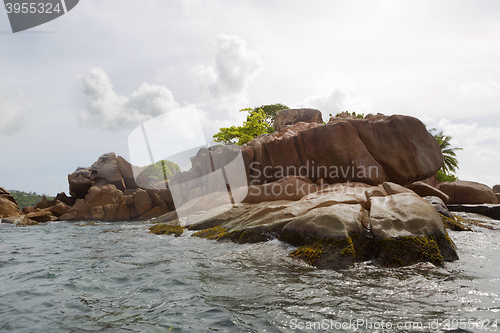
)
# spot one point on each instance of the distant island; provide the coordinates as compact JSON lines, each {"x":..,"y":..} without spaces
{"x":25,"y":199}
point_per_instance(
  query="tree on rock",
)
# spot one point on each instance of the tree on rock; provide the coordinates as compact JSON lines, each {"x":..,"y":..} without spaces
{"x":259,"y":121}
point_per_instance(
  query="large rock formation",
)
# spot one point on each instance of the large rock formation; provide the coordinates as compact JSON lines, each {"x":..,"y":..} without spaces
{"x":108,"y":169}
{"x":467,"y":192}
{"x":107,"y":203}
{"x":338,"y":225}
{"x":292,"y":116}
{"x":8,"y":205}
{"x":379,"y":148}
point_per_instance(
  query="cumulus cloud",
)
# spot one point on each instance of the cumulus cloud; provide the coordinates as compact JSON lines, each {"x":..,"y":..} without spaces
{"x":108,"y":110}
{"x":11,"y":113}
{"x":336,"y":93}
{"x":235,"y":66}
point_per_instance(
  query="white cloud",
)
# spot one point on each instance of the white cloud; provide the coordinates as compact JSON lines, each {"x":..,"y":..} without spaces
{"x":108,"y":110}
{"x":235,"y":66}
{"x":475,"y":88}
{"x":11,"y":113}
{"x":337,"y":93}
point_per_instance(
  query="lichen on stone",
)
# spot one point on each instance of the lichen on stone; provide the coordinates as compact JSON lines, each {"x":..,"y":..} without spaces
{"x":165,"y":229}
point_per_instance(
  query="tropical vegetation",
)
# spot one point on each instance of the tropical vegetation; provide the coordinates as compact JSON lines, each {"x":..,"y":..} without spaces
{"x":28,"y":199}
{"x":260,"y":120}
{"x":161,"y":170}
{"x":450,"y":161}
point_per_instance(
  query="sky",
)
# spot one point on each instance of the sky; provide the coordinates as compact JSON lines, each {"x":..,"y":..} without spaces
{"x":76,"y":87}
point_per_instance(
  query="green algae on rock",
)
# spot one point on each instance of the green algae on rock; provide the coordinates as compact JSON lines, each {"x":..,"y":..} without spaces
{"x":161,"y":229}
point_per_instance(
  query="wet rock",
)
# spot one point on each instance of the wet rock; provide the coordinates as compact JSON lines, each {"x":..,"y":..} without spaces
{"x":340,"y":225}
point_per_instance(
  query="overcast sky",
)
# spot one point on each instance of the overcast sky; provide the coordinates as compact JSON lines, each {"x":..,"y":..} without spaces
{"x":76,"y":87}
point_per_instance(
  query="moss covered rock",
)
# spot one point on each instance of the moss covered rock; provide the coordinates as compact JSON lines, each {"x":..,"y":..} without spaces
{"x":160,"y":229}
{"x":339,"y":225}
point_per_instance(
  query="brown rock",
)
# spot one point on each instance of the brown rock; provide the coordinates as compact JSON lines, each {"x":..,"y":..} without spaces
{"x":498,"y":196}
{"x":44,"y":203}
{"x":27,"y":210}
{"x":58,"y":209}
{"x":97,"y":213}
{"x":154,"y":194}
{"x":103,"y":172}
{"x":155,"y":212}
{"x":70,"y":201}
{"x":142,"y":202}
{"x":166,"y":196}
{"x":425,"y":190}
{"x":105,"y":195}
{"x":43,"y":216}
{"x":123,"y":213}
{"x":8,"y":205}
{"x":127,"y":172}
{"x":110,"y":212}
{"x":496,"y":188}
{"x":379,"y":149}
{"x":79,"y":183}
{"x":402,"y":145}
{"x":293,"y":116}
{"x":467,"y":192}
{"x":79,"y":211}
{"x":20,"y":221}
{"x":288,"y":188}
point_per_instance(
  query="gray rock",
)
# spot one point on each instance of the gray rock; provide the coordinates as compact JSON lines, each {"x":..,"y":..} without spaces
{"x":293,"y":116}
{"x":439,"y":205}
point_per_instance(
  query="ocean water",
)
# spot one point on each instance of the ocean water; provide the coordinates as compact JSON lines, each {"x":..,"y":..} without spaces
{"x":116,"y":277}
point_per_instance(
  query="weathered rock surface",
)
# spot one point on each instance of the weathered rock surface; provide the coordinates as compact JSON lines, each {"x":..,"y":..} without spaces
{"x":108,"y":169}
{"x":467,"y":192}
{"x":8,"y":205}
{"x":339,"y":225}
{"x":426,"y":190}
{"x":380,"y":148}
{"x":107,"y":203}
{"x":19,"y":220}
{"x":496,"y":188}
{"x":438,"y":205}
{"x":288,"y":188}
{"x":292,"y":116}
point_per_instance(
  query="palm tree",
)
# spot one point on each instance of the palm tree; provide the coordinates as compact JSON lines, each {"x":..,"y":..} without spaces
{"x":450,"y":162}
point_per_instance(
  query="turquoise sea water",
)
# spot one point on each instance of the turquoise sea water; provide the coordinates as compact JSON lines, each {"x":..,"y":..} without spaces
{"x":116,"y":277}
